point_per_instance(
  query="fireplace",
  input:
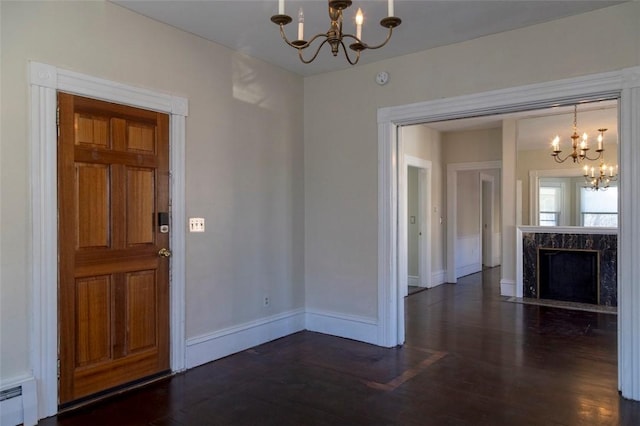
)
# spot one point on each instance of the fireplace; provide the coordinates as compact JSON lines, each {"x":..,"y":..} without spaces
{"x":569,"y":275}
{"x":571,"y":242}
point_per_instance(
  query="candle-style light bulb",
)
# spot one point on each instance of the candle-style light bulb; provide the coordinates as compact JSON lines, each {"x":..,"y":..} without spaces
{"x":555,"y":143}
{"x":280,"y":7}
{"x":600,"y":139}
{"x":390,"y":7}
{"x":359,"y":20}
{"x":585,"y":144}
{"x":586,"y":170}
{"x":300,"y":24}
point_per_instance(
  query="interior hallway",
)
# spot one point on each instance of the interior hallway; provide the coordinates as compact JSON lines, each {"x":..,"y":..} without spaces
{"x":470,"y":359}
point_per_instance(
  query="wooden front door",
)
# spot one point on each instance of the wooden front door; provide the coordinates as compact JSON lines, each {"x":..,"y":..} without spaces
{"x":113,"y":181}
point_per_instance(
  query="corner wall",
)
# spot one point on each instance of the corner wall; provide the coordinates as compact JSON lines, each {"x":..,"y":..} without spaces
{"x":341,"y":159}
{"x":244,"y":163}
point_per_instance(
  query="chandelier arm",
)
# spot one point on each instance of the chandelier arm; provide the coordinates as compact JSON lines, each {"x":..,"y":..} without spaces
{"x":585,"y":156}
{"x":366,"y":46}
{"x":558,"y":160}
{"x":299,"y":44}
{"x":315,"y":54}
{"x":346,"y":54}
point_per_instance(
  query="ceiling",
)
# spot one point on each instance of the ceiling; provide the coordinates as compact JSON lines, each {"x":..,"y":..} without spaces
{"x":244,"y":25}
{"x":537,"y":128}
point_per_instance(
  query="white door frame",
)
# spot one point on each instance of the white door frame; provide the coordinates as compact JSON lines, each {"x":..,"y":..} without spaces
{"x":424,"y":207}
{"x":624,"y":84}
{"x":488,"y":244}
{"x":45,"y":81}
{"x":452,"y":209}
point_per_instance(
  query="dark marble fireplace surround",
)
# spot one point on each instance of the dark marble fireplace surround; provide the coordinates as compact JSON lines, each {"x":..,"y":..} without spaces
{"x":605,"y":244}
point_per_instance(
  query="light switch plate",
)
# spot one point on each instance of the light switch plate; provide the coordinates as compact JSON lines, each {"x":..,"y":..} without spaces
{"x":196,"y":224}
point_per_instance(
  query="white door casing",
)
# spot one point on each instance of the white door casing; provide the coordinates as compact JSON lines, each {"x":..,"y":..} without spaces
{"x":45,"y":81}
{"x":424,"y":203}
{"x":624,"y":84}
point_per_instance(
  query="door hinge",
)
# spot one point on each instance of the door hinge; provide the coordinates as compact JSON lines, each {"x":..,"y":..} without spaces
{"x":58,"y":368}
{"x":58,"y":120}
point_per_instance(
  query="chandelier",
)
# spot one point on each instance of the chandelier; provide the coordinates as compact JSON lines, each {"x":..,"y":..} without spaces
{"x":334,"y":36}
{"x":599,"y":179}
{"x":580,"y":150}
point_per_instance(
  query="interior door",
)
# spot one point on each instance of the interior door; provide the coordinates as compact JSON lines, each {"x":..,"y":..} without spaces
{"x":113,"y":181}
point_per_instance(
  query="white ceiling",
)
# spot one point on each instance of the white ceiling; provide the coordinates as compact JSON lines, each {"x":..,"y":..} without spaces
{"x":245,"y":26}
{"x":537,"y":128}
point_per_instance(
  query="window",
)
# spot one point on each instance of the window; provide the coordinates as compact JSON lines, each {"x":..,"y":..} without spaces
{"x":550,"y":201}
{"x":599,"y":208}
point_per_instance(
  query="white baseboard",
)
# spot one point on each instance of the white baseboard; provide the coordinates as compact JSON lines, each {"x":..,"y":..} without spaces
{"x":472,"y":268}
{"x":209,"y":347}
{"x":438,"y":277}
{"x":341,"y":325}
{"x":23,"y":407}
{"x":507,"y":287}
{"x":413,"y":280}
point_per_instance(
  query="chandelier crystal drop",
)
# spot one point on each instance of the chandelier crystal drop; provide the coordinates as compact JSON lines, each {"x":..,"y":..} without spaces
{"x":579,"y":150}
{"x":334,"y":37}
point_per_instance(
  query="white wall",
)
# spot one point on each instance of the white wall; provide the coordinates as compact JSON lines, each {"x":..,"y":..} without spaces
{"x":341,"y":158}
{"x":425,"y":143}
{"x":244,"y":159}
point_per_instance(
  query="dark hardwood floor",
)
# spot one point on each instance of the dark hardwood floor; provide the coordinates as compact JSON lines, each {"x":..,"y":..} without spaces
{"x":470,"y":359}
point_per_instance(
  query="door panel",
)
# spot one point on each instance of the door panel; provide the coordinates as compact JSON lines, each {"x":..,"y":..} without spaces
{"x":93,"y":319}
{"x":113,"y":287}
{"x":139,"y":198}
{"x":93,"y":213}
{"x":141,"y":310}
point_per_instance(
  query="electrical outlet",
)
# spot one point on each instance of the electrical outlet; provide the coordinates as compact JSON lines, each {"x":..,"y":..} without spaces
{"x":266,"y":301}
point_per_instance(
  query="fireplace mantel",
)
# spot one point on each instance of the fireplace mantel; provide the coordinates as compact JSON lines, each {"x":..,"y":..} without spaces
{"x":566,"y":230}
{"x":602,"y":239}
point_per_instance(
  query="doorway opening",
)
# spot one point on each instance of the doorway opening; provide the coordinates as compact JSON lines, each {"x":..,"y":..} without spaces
{"x":499,"y":102}
{"x":416,"y":224}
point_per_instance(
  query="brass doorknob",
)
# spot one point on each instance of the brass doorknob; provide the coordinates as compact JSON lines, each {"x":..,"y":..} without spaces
{"x":164,"y":252}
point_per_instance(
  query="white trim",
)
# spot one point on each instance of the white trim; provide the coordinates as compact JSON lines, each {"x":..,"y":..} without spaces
{"x":507,"y":288}
{"x":568,"y":230}
{"x":22,"y":409}
{"x":212,"y":346}
{"x":623,"y":83}
{"x":452,"y":209}
{"x":424,"y":206}
{"x":413,"y":281}
{"x":389,"y":310}
{"x":348,"y":326}
{"x":438,"y":277}
{"x":45,"y":81}
{"x":469,"y":269}
{"x":628,"y":241}
{"x":486,"y":240}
